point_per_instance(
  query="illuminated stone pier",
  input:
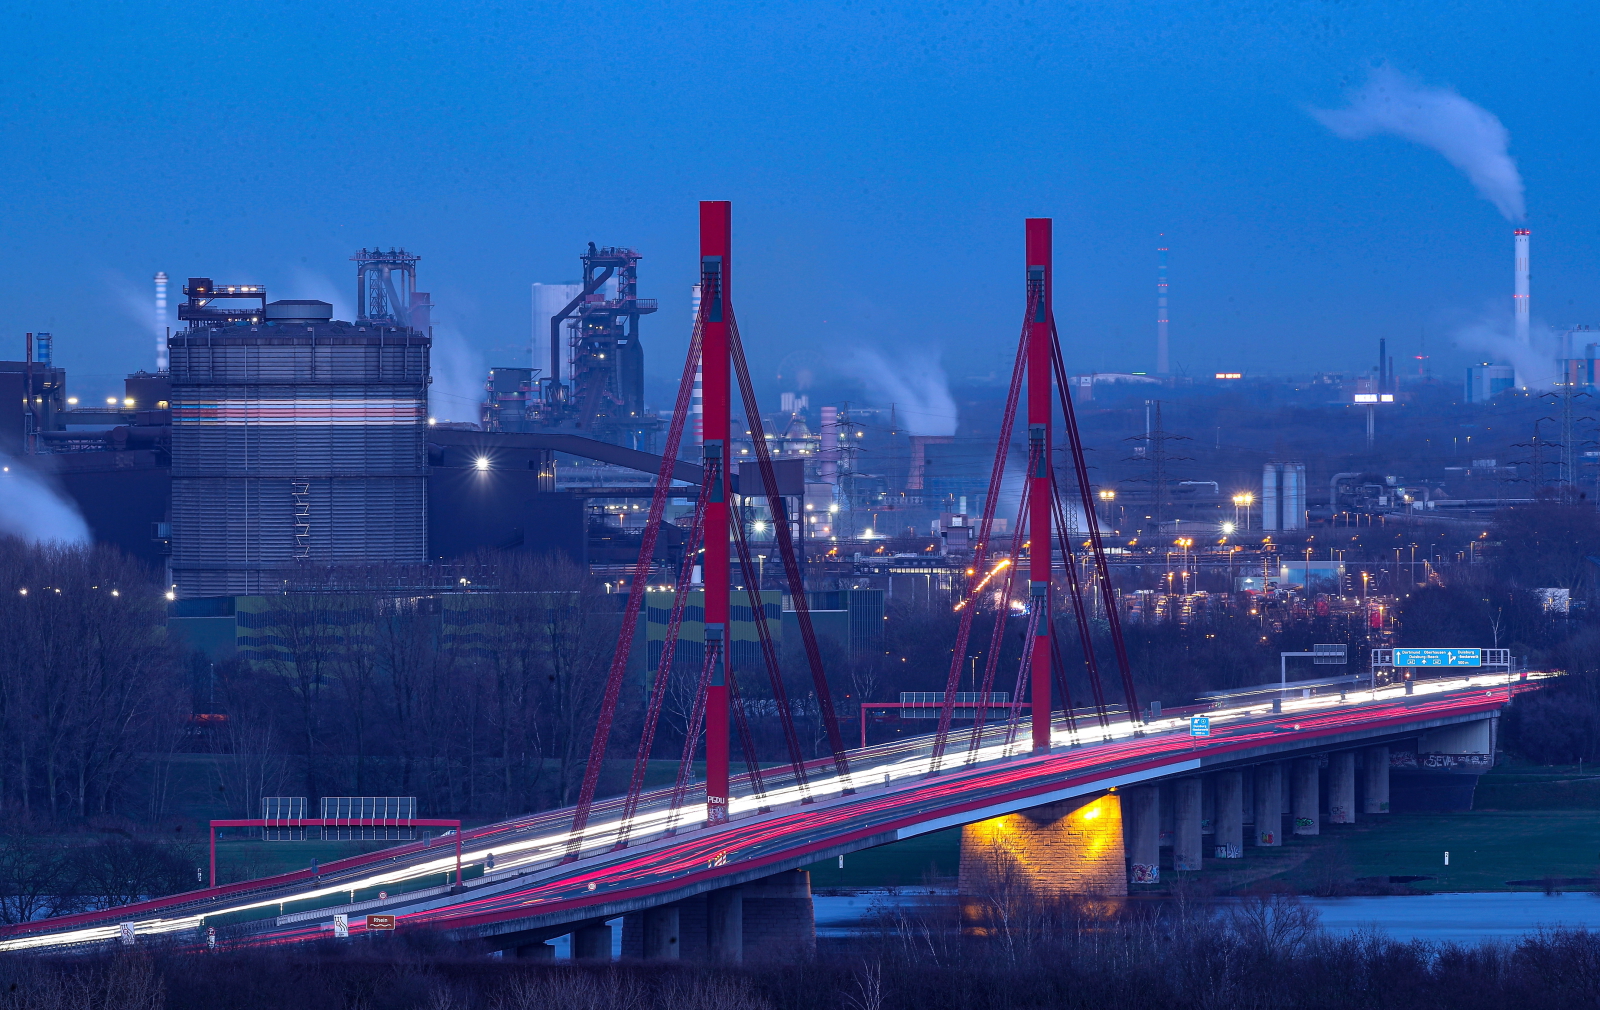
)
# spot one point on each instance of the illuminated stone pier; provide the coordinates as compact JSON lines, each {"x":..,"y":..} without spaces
{"x":1069,"y":848}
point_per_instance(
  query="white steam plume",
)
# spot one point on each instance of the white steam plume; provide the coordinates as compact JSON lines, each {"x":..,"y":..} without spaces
{"x":33,"y":510}
{"x":457,"y":391}
{"x":1535,"y":361}
{"x":136,"y":302}
{"x":917,"y":387}
{"x":1469,"y":136}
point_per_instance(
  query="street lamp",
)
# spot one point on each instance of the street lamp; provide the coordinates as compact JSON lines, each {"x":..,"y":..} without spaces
{"x":1243,"y":500}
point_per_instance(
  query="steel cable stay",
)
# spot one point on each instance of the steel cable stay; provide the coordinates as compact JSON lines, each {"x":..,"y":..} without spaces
{"x":747,"y":743}
{"x":769,"y":656}
{"x":997,"y":635}
{"x":669,"y":651}
{"x":1080,"y":613}
{"x":1058,"y":671}
{"x":1024,"y":669}
{"x":786,"y":550}
{"x":691,"y":736}
{"x":958,"y":658}
{"x":641,"y":576}
{"x":1086,"y":494}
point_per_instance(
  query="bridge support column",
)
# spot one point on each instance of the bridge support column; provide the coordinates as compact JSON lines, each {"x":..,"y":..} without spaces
{"x":1269,"y":804}
{"x":1375,"y":777}
{"x":1071,"y":847}
{"x":1306,"y":797}
{"x":1342,"y":787}
{"x":725,"y":925}
{"x":1229,"y":843}
{"x":536,"y":952}
{"x":661,"y":933}
{"x":779,"y":924}
{"x":592,"y":943}
{"x":1186,"y":827}
{"x":1142,"y":813}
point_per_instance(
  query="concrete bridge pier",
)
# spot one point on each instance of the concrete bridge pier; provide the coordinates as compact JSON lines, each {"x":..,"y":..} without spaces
{"x":1375,"y":777}
{"x":537,"y":952}
{"x":661,"y":933}
{"x":1306,"y":797}
{"x":1186,"y":824}
{"x":725,"y":925}
{"x":1142,"y":820}
{"x":766,"y":919}
{"x":1342,"y":787}
{"x":592,"y":942}
{"x":1229,"y":840}
{"x":1269,"y":804}
{"x":777,"y":917}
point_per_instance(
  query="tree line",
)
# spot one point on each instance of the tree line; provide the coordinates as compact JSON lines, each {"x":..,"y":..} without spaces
{"x":481,"y":700}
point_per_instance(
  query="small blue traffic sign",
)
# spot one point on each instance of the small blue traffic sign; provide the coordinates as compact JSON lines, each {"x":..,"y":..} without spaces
{"x":1199,"y":725}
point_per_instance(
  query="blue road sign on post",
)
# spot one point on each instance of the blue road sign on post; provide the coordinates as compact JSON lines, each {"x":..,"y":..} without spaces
{"x":1199,"y":725}
{"x":1438,"y":657}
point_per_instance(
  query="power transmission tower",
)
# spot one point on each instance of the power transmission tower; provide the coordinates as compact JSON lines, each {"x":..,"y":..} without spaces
{"x":1154,"y":452}
{"x":1567,"y":477}
{"x":1536,"y":458}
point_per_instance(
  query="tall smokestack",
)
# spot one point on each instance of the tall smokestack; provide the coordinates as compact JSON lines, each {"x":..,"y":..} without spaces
{"x":161,"y":321}
{"x":1161,"y":309}
{"x":1520,"y":298}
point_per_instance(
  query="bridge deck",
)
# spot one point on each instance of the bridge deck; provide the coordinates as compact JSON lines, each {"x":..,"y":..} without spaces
{"x":532,"y":888}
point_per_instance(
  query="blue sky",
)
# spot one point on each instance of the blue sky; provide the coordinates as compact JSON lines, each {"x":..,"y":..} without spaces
{"x":880,"y":156}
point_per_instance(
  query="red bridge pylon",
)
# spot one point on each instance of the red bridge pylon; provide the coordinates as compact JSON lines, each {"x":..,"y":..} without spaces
{"x":1040,"y":369}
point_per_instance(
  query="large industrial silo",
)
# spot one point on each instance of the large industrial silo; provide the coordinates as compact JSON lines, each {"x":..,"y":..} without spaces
{"x":297,"y":440}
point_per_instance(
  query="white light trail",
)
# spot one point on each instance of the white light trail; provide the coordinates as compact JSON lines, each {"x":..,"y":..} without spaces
{"x":653,"y":824}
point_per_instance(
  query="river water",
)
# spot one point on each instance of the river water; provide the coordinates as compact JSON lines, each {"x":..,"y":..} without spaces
{"x":1460,"y":917}
{"x":1464,"y":917}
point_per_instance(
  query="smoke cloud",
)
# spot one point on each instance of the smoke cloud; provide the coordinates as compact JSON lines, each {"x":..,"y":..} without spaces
{"x":458,"y":375}
{"x":1492,"y":337}
{"x":1469,"y":136}
{"x":918,"y":388}
{"x":33,"y":510}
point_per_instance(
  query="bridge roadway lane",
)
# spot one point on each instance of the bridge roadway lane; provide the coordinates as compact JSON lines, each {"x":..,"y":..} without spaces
{"x":659,"y":866}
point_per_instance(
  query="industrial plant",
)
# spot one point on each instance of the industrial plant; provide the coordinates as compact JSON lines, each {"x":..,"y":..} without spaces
{"x":275,"y":446}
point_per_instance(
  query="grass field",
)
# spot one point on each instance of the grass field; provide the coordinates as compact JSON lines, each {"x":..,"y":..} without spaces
{"x":246,"y":859}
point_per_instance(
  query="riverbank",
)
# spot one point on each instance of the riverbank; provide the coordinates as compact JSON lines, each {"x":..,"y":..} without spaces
{"x":1535,"y":829}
